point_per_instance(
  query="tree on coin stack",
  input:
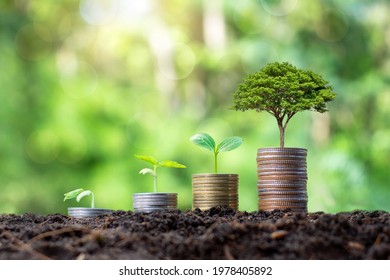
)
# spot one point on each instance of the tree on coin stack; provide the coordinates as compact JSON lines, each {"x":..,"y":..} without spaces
{"x":215,"y":189}
{"x":282,"y":90}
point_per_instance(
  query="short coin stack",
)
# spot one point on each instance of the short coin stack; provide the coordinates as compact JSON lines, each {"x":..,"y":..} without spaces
{"x":148,"y":202}
{"x":83,"y":212}
{"x":282,"y":179}
{"x":211,"y":190}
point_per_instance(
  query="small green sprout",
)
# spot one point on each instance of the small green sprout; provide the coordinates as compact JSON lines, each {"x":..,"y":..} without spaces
{"x":79,"y":194}
{"x":156,"y":163}
{"x":204,"y":140}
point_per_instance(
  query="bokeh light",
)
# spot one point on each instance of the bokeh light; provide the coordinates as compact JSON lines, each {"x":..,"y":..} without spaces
{"x":98,"y":12}
{"x":279,"y":7}
{"x":31,"y":42}
{"x":333,"y":26}
{"x":42,"y":146}
{"x":176,"y":61}
{"x":251,"y":17}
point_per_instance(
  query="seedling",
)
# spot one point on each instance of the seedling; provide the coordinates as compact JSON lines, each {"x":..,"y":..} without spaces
{"x":79,"y":194}
{"x":204,"y":140}
{"x":156,"y":163}
{"x":283,"y":90}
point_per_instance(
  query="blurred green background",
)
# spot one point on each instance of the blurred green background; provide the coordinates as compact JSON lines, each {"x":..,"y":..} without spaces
{"x":84,"y":85}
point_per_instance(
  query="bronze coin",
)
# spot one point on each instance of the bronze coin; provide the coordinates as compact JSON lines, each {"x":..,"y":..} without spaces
{"x":273,"y":182}
{"x":264,"y":191}
{"x":215,"y":176}
{"x":220,"y":185}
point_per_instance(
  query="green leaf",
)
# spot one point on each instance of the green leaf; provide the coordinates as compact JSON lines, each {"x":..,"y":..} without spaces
{"x":148,"y":171}
{"x":72,"y":194}
{"x":169,"y":163}
{"x":82,"y":194}
{"x":85,"y":193}
{"x":229,"y":144}
{"x":203,"y":140}
{"x":149,"y":159}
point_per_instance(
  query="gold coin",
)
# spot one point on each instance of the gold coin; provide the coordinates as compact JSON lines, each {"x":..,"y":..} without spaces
{"x":215,"y":176}
{"x":215,"y":185}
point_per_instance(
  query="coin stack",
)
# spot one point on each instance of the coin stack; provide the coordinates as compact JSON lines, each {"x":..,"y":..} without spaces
{"x":83,"y":212}
{"x":282,"y":179}
{"x":211,"y":190}
{"x":148,"y":202}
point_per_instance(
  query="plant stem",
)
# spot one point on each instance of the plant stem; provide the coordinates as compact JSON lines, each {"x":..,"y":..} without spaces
{"x":215,"y":163}
{"x":92,"y":200}
{"x":155,"y":178}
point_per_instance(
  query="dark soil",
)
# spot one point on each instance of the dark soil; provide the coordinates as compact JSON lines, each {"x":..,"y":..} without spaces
{"x":219,"y":233}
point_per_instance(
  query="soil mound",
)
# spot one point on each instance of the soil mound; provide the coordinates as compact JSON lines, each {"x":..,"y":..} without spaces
{"x":219,"y":233}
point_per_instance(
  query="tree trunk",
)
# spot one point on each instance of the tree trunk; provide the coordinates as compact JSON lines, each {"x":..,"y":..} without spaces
{"x":281,"y":130}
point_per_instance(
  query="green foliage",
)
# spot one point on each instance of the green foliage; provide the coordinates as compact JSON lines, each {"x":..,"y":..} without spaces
{"x":163,"y":163}
{"x":153,"y":161}
{"x":204,"y":140}
{"x":79,"y":194}
{"x":283,"y":90}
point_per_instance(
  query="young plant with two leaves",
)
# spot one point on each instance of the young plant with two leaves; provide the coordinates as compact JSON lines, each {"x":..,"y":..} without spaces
{"x":153,"y":172}
{"x":78,"y":194}
{"x":207,"y":142}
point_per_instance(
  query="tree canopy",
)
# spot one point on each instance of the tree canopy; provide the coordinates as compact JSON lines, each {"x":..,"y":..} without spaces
{"x":283,"y":90}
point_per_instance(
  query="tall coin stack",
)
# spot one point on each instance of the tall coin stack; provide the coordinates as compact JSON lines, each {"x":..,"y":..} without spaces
{"x":211,"y":190}
{"x":282,"y":179}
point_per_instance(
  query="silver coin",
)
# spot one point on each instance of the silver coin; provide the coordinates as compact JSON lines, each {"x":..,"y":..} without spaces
{"x":280,"y":167}
{"x":286,"y":199}
{"x":285,"y":205}
{"x":281,"y":161}
{"x":281,"y":206}
{"x":281,"y":191}
{"x":82,"y":212}
{"x":282,"y":177}
{"x":152,"y":209}
{"x":278,"y":185}
{"x":153,"y":201}
{"x":282,"y":171}
{"x":155,"y":195}
{"x":294,"y":209}
{"x":281,"y":158}
{"x":276,"y":193}
{"x":282,"y":150}
{"x":281,"y":182}
{"x":167,"y":198}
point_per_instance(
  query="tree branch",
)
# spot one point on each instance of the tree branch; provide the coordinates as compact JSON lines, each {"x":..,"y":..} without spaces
{"x":289,"y":116}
